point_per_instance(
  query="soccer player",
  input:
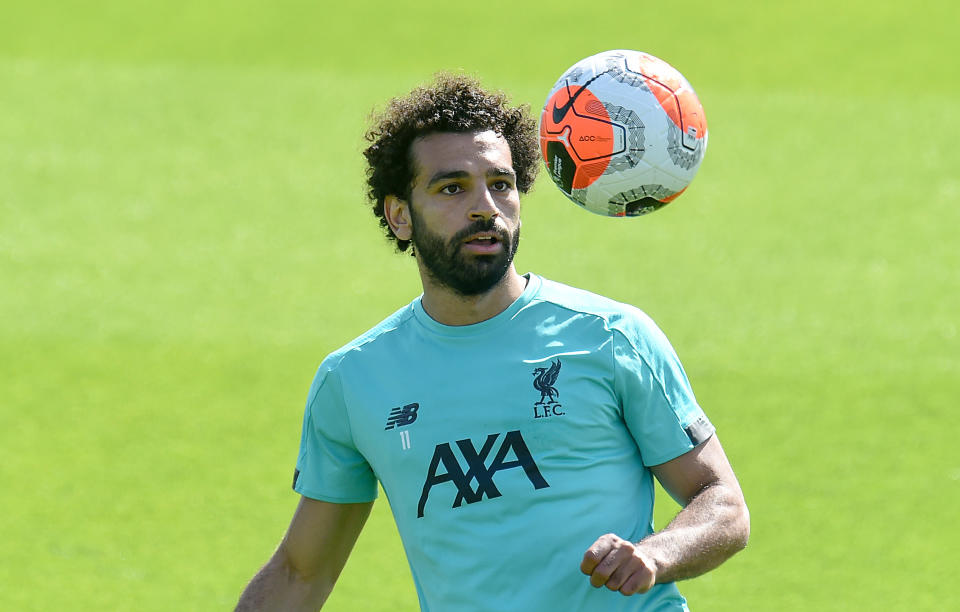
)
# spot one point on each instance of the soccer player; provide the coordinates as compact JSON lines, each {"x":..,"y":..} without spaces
{"x":516,"y":424}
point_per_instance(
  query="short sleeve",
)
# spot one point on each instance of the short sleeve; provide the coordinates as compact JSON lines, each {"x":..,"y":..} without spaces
{"x":659,"y":406}
{"x":329,"y":466}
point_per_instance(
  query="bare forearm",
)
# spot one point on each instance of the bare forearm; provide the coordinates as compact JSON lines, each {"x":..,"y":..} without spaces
{"x":303,"y":570}
{"x":713,"y":525}
{"x":709,"y":530}
{"x":278,"y":587}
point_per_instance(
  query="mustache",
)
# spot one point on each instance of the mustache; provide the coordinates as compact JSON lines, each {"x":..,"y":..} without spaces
{"x":480,"y":225}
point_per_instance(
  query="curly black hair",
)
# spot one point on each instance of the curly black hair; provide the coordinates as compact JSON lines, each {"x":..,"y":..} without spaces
{"x":452,"y":103}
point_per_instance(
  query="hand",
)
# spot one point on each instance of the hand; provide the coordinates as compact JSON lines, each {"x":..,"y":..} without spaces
{"x":620,"y":565}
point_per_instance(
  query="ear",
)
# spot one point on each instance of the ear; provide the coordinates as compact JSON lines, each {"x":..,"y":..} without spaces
{"x":397,"y":213}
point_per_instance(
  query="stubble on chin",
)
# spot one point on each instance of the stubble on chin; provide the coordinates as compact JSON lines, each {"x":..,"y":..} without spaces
{"x":450,"y":266}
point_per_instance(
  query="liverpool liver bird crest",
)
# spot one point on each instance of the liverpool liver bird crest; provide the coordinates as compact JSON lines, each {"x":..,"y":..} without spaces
{"x":543,"y":382}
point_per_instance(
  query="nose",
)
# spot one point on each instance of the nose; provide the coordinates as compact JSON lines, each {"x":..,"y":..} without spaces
{"x":484,"y":205}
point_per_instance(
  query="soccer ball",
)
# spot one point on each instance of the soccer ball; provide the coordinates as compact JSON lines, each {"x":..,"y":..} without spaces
{"x":622,"y":133}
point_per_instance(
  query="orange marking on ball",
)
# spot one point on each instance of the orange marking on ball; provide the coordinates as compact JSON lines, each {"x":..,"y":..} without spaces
{"x":669,"y":199}
{"x":674,"y":94}
{"x":577,"y":118}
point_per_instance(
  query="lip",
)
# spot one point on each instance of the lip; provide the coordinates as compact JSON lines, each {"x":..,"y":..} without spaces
{"x":483,"y":246}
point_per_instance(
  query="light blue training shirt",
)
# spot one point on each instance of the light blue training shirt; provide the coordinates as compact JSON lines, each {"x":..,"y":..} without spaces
{"x":507,"y":447}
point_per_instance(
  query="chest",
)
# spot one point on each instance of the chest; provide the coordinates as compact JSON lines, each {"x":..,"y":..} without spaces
{"x":480,"y":422}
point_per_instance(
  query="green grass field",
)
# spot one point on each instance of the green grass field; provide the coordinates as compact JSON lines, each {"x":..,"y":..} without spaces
{"x":183,"y":238}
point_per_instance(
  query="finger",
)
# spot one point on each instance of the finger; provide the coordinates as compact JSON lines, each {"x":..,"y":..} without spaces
{"x":619,"y":555}
{"x":643,"y":577}
{"x":640,"y":581}
{"x":601,"y":573}
{"x":621,"y":573}
{"x":628,"y":563}
{"x":595,"y":554}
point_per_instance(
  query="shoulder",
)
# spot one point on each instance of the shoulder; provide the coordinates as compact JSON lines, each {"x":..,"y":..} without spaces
{"x":617,"y":316}
{"x":382,"y":337}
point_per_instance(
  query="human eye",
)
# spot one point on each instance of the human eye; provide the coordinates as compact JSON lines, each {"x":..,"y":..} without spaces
{"x":501,"y":185}
{"x":451,"y":189}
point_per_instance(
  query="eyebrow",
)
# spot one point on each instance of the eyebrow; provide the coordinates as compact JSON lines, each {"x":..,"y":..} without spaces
{"x":462,"y":174}
{"x":446,"y":176}
{"x":501,"y":172}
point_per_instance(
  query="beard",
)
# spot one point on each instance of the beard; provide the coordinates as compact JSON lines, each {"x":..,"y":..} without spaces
{"x":464,"y":273}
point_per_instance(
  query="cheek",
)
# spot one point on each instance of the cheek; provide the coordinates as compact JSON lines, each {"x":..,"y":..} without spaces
{"x":511,"y":210}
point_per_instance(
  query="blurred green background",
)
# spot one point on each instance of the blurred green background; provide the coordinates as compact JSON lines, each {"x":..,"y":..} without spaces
{"x":183,"y":237}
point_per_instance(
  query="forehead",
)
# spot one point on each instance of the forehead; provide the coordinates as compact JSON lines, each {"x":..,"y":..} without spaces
{"x":460,"y":151}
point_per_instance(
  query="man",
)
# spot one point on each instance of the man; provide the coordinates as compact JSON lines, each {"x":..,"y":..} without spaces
{"x":515,"y":424}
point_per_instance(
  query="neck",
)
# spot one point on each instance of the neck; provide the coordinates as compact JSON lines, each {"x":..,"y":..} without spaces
{"x":451,"y":308}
